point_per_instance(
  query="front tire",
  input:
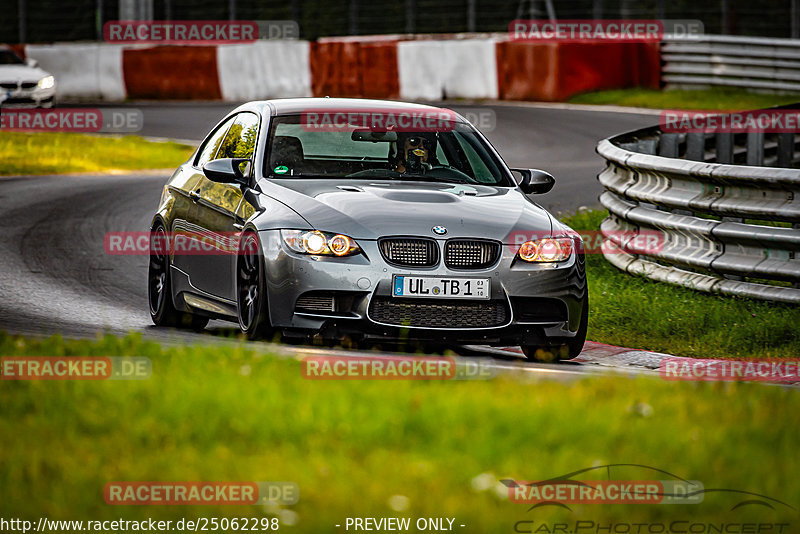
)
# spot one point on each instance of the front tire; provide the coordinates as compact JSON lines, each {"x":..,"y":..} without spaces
{"x":159,"y":289}
{"x":568,"y":350}
{"x":251,"y":289}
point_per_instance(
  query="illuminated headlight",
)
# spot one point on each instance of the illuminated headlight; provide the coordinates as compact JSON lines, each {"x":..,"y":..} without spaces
{"x":319,"y":243}
{"x":546,"y":250}
{"x":48,"y":82}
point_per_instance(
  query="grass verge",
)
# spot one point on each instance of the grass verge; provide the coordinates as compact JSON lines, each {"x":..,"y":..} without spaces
{"x":234,"y":413}
{"x":55,"y":153}
{"x":710,"y":99}
{"x":633,"y":311}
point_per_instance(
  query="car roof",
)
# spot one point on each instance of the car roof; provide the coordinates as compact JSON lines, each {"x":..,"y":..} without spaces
{"x":293,"y":106}
{"x":289,"y":106}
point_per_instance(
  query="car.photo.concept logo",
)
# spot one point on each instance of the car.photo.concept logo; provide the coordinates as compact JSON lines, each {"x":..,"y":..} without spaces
{"x":565,"y":491}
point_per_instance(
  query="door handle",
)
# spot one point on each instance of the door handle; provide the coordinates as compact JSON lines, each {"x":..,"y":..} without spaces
{"x":238,"y":226}
{"x":194,"y":195}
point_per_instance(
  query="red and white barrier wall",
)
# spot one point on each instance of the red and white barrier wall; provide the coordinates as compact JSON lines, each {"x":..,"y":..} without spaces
{"x":423,"y":68}
{"x":86,"y":71}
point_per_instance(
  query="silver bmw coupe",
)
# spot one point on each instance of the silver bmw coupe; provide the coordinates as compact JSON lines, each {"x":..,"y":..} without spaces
{"x":365,"y":219}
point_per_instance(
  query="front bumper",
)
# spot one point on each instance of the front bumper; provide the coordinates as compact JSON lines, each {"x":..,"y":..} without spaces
{"x":27,"y":98}
{"x":541,"y":301}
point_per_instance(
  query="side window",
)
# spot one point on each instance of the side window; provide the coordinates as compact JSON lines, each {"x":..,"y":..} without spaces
{"x":241,"y":139}
{"x":212,"y":145}
{"x":479,"y":169}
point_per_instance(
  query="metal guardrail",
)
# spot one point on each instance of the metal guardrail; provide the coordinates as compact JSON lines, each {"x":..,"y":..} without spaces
{"x":722,"y":60}
{"x":727,"y":228}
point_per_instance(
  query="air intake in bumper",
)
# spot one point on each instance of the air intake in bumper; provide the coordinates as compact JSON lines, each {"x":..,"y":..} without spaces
{"x":316,"y":302}
{"x":439,"y":314}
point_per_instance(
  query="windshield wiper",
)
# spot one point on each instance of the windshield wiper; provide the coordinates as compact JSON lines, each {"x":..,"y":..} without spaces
{"x":427,"y":178}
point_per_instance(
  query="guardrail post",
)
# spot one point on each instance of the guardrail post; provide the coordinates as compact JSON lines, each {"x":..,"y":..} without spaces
{"x":696,"y":146}
{"x":724,"y":147}
{"x":647,"y":146}
{"x":785,"y":149}
{"x":668,"y":147}
{"x":755,"y":148}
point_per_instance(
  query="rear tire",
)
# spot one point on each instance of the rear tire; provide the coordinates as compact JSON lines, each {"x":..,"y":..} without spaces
{"x":251,"y":289}
{"x":568,"y":350}
{"x":159,"y":290}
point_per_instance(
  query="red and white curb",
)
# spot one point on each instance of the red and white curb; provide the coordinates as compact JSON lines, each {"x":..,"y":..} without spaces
{"x":604,"y":355}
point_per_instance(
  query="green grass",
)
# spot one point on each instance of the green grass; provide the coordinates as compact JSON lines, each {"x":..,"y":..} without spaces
{"x":51,"y":153}
{"x":710,"y":99}
{"x":633,"y":311}
{"x":240,"y":414}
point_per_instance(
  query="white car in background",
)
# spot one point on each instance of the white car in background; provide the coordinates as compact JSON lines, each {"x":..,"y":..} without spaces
{"x":23,"y":83}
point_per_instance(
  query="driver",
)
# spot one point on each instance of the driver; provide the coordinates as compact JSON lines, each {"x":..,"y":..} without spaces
{"x":413,"y":153}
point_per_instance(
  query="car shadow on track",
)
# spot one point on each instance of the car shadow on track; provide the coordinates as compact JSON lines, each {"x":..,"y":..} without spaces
{"x":384,"y":347}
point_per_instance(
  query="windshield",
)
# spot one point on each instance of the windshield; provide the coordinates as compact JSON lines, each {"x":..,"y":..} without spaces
{"x":7,"y":57}
{"x":455,"y":154}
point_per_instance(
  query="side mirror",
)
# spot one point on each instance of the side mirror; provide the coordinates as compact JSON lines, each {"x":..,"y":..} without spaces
{"x":31,"y":62}
{"x":535,"y":181}
{"x":228,"y":170}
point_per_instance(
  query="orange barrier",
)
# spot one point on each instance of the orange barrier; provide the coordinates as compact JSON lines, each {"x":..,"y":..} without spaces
{"x":378,"y":70}
{"x":556,"y":71}
{"x":355,"y":68}
{"x":172,"y":72}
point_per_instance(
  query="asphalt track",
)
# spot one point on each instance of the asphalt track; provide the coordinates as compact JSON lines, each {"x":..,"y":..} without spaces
{"x":56,"y":278}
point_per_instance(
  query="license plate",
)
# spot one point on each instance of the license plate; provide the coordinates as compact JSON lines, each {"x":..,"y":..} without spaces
{"x":446,"y":288}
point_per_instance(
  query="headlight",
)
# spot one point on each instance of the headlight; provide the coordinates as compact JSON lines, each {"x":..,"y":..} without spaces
{"x":546,"y":250}
{"x":319,"y":243}
{"x":48,"y":82}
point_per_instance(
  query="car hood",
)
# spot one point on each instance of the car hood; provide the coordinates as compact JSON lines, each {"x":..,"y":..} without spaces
{"x":24,"y":73}
{"x":373,"y":209}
